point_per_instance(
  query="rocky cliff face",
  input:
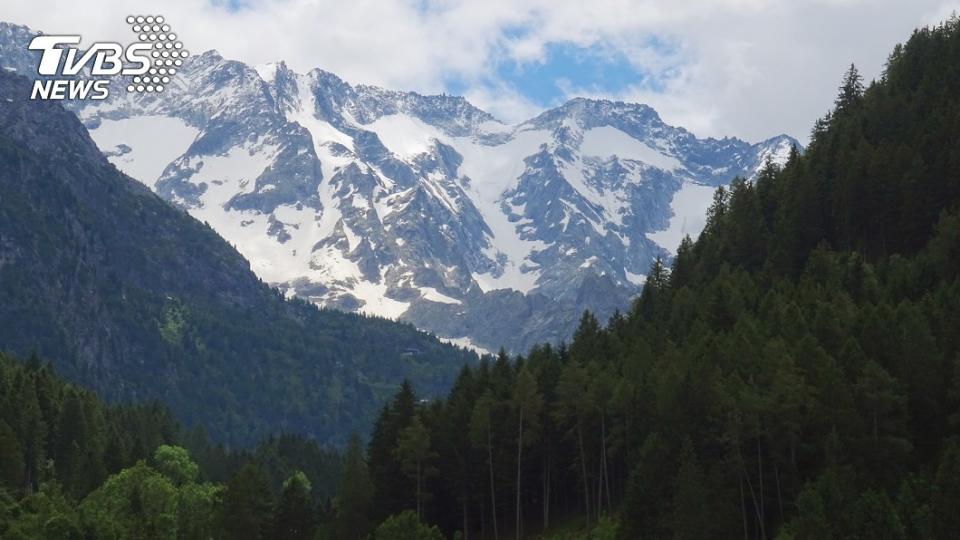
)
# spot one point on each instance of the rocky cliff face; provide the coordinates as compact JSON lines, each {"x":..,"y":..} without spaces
{"x":423,"y":208}
{"x":132,"y":297}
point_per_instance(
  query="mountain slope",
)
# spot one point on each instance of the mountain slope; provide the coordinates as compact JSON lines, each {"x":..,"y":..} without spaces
{"x":424,"y":208}
{"x":138,"y":300}
{"x":795,"y":374}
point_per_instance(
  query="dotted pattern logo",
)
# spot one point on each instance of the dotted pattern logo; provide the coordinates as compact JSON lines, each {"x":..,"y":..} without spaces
{"x":168,"y":54}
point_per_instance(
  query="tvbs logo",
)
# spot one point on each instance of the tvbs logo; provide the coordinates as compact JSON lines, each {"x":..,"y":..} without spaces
{"x":71,"y":73}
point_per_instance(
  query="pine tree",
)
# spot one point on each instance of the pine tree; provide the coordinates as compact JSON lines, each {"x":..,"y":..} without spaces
{"x":586,"y":338}
{"x":745,"y":226}
{"x":354,"y":495}
{"x":716,"y":211}
{"x":392,"y":485}
{"x":572,"y":410}
{"x":413,"y":450}
{"x":11,"y":459}
{"x":851,"y":91}
{"x":946,"y":497}
{"x":682,"y":271}
{"x":481,"y":433}
{"x":247,"y":505}
{"x":691,"y":517}
{"x":527,"y":403}
{"x":30,"y":428}
{"x":459,"y":449}
{"x":652,"y":298}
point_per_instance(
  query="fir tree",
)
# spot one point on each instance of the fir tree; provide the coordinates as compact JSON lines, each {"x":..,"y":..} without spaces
{"x":355,"y":495}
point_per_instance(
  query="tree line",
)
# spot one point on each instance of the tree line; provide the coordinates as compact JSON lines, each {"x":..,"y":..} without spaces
{"x":794,"y":373}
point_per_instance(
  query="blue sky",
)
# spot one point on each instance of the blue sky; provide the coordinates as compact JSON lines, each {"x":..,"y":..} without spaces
{"x":746,"y":68}
{"x":566,"y":66}
{"x":546,"y":81}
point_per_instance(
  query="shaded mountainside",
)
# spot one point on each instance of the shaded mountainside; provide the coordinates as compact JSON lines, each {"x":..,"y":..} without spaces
{"x":422,"y":208}
{"x":794,"y":375}
{"x":138,"y":300}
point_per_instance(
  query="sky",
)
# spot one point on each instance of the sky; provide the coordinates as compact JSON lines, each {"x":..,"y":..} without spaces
{"x":745,"y":68}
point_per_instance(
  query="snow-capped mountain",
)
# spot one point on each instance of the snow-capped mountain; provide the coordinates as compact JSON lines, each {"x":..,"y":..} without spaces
{"x":423,"y":208}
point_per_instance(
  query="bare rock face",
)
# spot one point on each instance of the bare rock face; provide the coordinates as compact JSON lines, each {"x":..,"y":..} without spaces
{"x":423,"y":208}
{"x":137,"y":300}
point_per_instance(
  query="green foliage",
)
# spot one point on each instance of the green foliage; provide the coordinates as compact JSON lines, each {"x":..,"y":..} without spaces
{"x":355,"y":495}
{"x":44,"y":514}
{"x":648,"y":487}
{"x":11,"y":459}
{"x":294,"y":517}
{"x":691,"y":499}
{"x":141,"y":502}
{"x":136,"y":300}
{"x":606,"y":529}
{"x":174,"y":323}
{"x":875,"y":517}
{"x":136,"y":503}
{"x":393,"y":488}
{"x":91,"y":477}
{"x":197,"y":507}
{"x":405,"y":526}
{"x":413,"y":449}
{"x":247,"y":505}
{"x":796,"y":374}
{"x":946,"y":498}
{"x":58,"y":432}
{"x":174,"y":462}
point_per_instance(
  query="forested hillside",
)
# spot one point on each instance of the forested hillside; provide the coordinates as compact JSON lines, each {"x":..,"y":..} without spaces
{"x":139,"y":301}
{"x":73,"y":467}
{"x":795,"y":373}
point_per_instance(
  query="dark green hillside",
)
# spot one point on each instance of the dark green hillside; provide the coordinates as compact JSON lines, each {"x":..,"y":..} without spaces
{"x":795,"y":374}
{"x":73,"y":467}
{"x":138,"y":301}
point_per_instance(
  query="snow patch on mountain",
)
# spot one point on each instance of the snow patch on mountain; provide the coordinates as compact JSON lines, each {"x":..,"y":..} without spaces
{"x":689,"y":209}
{"x":304,"y":113}
{"x":421,"y":207}
{"x":467,"y":343}
{"x":267,"y":71}
{"x":490,"y":171}
{"x":404,"y":135}
{"x":609,"y":141}
{"x":143,"y":146}
{"x":429,"y":293}
{"x":376,"y":301}
{"x":228,"y":175}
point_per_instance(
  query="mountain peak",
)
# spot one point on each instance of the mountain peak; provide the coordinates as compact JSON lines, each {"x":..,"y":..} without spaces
{"x":594,"y":112}
{"x":14,"y":54}
{"x":424,"y":207}
{"x":581,"y":102}
{"x":269,"y":71}
{"x":166,"y":308}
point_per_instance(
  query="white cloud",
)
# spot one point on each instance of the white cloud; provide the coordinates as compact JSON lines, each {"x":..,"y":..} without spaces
{"x":503,"y":102}
{"x":750,"y":68}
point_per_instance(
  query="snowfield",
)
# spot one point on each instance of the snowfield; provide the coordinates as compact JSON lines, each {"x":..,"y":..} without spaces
{"x":380,"y":201}
{"x":154,"y":142}
{"x":689,"y":207}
